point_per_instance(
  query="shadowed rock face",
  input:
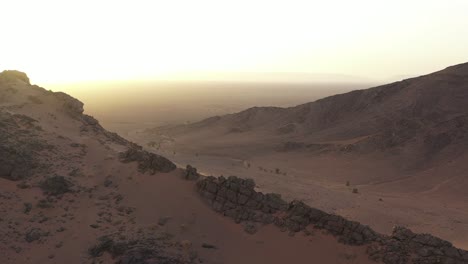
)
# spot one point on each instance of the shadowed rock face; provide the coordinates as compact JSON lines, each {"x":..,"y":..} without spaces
{"x":237,"y":199}
{"x":147,"y":161}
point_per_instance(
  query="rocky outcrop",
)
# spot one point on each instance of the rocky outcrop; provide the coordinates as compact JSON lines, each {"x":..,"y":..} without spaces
{"x":8,"y":76}
{"x":236,"y":198}
{"x":90,"y":124}
{"x":191,"y":173}
{"x":71,"y":105}
{"x":404,"y":246}
{"x":147,"y":161}
{"x":300,"y":215}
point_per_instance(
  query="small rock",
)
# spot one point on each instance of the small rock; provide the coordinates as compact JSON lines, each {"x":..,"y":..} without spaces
{"x":27,"y":208}
{"x":163,"y":220}
{"x":250,"y":228}
{"x":206,"y":245}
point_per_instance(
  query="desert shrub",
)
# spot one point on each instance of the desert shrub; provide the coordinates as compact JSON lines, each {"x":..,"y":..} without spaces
{"x":44,"y":204}
{"x":56,"y":185}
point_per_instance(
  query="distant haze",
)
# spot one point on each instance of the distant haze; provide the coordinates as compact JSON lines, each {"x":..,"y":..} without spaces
{"x":126,"y":106}
{"x":82,"y":40}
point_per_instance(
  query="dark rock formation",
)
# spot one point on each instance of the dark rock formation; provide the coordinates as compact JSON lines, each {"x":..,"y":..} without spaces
{"x":237,"y":199}
{"x":147,"y":161}
{"x":191,"y":173}
{"x":404,"y":245}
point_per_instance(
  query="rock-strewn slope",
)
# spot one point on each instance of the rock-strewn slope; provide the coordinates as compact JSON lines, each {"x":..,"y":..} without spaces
{"x":236,"y":198}
{"x":50,"y":154}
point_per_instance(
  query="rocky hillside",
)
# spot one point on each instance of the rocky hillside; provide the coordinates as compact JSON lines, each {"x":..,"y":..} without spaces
{"x":72,"y":192}
{"x":427,"y":116}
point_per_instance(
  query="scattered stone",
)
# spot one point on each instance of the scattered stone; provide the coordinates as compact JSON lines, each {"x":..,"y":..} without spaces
{"x":107,"y":183}
{"x":163,"y":220}
{"x":27,"y":208}
{"x":250,"y":228}
{"x":144,"y":249}
{"x":44,"y":204}
{"x":209,"y":246}
{"x":34,"y":234}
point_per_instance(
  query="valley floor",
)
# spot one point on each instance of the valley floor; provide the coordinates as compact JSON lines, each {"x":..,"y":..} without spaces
{"x":321,"y":183}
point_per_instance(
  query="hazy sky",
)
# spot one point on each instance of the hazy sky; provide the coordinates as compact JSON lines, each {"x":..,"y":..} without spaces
{"x":82,"y":40}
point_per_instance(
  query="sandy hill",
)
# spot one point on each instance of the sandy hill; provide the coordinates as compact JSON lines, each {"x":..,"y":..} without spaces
{"x":402,"y":146}
{"x":72,"y":192}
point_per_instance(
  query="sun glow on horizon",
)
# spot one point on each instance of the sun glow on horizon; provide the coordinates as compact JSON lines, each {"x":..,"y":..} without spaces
{"x":74,"y":41}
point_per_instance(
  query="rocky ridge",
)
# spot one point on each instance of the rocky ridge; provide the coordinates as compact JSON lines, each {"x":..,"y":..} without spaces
{"x":236,"y":198}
